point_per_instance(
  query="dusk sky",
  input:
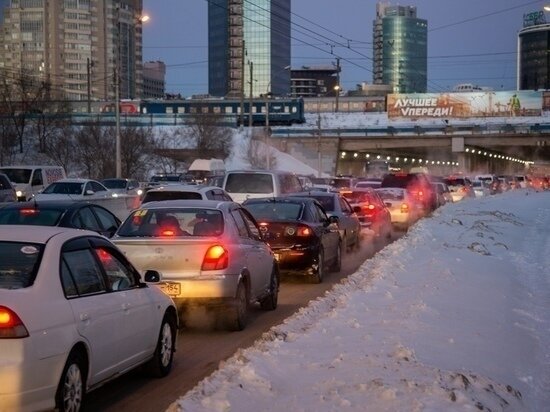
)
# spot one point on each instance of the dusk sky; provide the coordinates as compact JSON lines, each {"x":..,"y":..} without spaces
{"x":469,"y":41}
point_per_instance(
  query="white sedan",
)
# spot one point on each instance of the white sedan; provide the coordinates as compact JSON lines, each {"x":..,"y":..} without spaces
{"x":74,"y":314}
{"x":75,"y":189}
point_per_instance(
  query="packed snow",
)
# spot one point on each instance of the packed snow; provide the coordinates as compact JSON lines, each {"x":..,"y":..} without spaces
{"x":453,"y":316}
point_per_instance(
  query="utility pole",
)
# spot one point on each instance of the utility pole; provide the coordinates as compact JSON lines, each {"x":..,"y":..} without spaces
{"x":118,"y":157}
{"x":251,"y":94}
{"x":89,"y":64}
{"x":337,"y":88}
{"x":267,"y":134}
{"x":319,"y":166}
{"x":241,"y":123}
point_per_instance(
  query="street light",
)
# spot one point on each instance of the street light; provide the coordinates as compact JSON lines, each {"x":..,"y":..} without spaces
{"x":546,"y":8}
{"x":337,"y":94}
{"x":118,"y":155}
{"x":267,"y":136}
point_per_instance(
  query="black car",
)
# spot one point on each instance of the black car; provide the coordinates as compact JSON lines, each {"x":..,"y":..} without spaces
{"x":78,"y":215}
{"x":303,"y":238}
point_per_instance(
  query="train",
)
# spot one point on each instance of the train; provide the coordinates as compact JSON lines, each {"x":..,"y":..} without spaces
{"x":281,"y":111}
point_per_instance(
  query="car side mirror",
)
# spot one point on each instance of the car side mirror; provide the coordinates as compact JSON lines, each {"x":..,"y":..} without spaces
{"x":89,"y":192}
{"x":152,"y":276}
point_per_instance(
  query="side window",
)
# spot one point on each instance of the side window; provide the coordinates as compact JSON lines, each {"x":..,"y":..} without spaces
{"x":87,"y":187}
{"x":344,"y":205}
{"x":252,"y":227}
{"x":105,"y":219}
{"x":119,"y":276}
{"x":296,"y":186}
{"x":239,"y":221}
{"x":85,"y":272}
{"x":319,"y":215}
{"x":85,"y":219}
{"x":210,"y":195}
{"x":96,"y":187}
{"x":69,"y":287}
{"x":37,"y":178}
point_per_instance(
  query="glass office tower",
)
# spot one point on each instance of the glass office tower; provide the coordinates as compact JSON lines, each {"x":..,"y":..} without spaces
{"x":400,"y":42}
{"x":248,"y":46}
{"x":534,"y":58}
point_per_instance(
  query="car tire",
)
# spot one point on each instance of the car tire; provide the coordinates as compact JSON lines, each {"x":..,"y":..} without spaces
{"x":270,"y":301}
{"x":72,"y":385}
{"x":237,"y":311}
{"x":318,"y":273}
{"x":161,"y":363}
{"x":337,"y":264}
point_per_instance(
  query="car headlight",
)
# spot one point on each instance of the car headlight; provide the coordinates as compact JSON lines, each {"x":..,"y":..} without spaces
{"x":139,"y":192}
{"x":19,"y":193}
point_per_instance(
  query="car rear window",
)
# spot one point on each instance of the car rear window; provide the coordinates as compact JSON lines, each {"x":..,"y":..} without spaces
{"x":455,"y":182}
{"x":173,"y":222}
{"x":19,"y":264}
{"x":356,"y":197}
{"x":275,"y":211}
{"x":389,"y":194}
{"x":401,"y":181}
{"x":170,"y":195}
{"x":249,"y":183}
{"x":30,"y":216}
{"x":326,"y":201}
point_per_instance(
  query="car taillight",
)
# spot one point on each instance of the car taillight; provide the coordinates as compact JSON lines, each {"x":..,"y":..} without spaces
{"x":168,"y":232}
{"x":216,"y":258}
{"x":29,"y":212}
{"x":11,"y":325}
{"x":369,"y":207}
{"x":404,"y":208}
{"x":463,"y":189}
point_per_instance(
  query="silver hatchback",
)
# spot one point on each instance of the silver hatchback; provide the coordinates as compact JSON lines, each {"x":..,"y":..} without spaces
{"x":207,"y":252}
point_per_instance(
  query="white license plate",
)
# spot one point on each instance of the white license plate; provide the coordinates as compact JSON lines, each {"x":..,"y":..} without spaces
{"x":171,"y":289}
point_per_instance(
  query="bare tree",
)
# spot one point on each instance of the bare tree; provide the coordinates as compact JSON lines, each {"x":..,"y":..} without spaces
{"x":61,"y":147}
{"x":94,"y":150}
{"x":210,"y":133}
{"x":258,"y":151}
{"x":165,"y":146}
{"x":137,"y":146}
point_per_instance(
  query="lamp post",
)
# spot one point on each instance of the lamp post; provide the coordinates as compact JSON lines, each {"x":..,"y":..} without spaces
{"x":267,"y":134}
{"x":118,"y":152}
{"x":337,"y":94}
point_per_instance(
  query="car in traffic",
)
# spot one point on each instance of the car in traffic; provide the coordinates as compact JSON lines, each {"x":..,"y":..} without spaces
{"x":30,"y":180}
{"x":62,"y":213}
{"x":122,"y":186}
{"x":7,"y":190}
{"x":186,"y":192}
{"x":348,"y":222}
{"x":74,"y":189}
{"x":373,"y":183}
{"x":304,"y":239}
{"x":443,"y":194}
{"x":74,"y":314}
{"x":481,"y":188}
{"x":248,"y":184}
{"x":404,"y":209}
{"x":373,"y":214}
{"x":417,"y":184}
{"x":208,"y":253}
{"x":460,"y":187}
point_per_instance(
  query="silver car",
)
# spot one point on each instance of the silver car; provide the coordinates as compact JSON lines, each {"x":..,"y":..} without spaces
{"x":209,"y":253}
{"x":7,"y":191}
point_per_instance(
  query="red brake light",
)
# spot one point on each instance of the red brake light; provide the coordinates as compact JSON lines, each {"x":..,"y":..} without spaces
{"x":304,"y":231}
{"x":29,"y":212}
{"x":11,"y":325}
{"x":103,"y":255}
{"x":216,"y":258}
{"x":168,"y":232}
{"x":369,"y":207}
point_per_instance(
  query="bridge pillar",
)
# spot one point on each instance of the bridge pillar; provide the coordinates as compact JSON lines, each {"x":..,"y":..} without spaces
{"x":457,"y":148}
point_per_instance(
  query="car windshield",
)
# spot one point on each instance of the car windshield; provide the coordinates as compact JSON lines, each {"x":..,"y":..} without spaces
{"x":340,"y":182}
{"x":114,"y":183}
{"x":249,"y":183}
{"x":66,"y":188}
{"x":19,"y":264}
{"x":30,"y":216}
{"x":18,"y":175}
{"x":170,"y":195}
{"x":168,"y":178}
{"x":173,"y":222}
{"x":275,"y":211}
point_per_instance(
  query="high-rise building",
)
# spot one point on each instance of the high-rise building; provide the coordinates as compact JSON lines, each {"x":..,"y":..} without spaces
{"x":154,"y":80}
{"x":248,"y":47}
{"x":533,"y":53}
{"x":75,"y":45}
{"x":400,"y":43}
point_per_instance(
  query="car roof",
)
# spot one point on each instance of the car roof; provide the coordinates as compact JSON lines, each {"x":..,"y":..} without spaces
{"x":37,"y":234}
{"x":184,"y":188}
{"x":75,"y":180}
{"x":51,"y":204}
{"x":162,"y":204}
{"x":314,"y":193}
{"x":276,"y":172}
{"x":281,"y":199}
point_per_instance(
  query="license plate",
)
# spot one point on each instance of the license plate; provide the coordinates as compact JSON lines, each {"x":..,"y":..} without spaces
{"x":171,"y":289}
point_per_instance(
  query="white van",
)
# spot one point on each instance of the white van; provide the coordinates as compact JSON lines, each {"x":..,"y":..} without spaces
{"x":30,"y":180}
{"x":247,"y":184}
{"x":201,"y":169}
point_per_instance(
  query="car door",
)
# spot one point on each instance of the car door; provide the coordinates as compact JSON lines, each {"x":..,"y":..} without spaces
{"x":100,"y":191}
{"x":329,"y":234}
{"x":139,"y":318}
{"x":84,"y":218}
{"x":108,"y":222}
{"x":98,"y":313}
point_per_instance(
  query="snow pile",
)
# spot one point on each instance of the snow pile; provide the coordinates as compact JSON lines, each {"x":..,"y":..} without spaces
{"x":453,"y":316}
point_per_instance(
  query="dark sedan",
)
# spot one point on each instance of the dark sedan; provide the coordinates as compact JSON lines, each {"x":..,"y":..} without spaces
{"x":77,"y":215}
{"x":303,"y":238}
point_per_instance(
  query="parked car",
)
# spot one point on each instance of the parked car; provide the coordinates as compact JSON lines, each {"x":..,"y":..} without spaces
{"x":404,"y":209}
{"x":187,"y":192}
{"x":348,"y":222}
{"x":122,"y":186}
{"x":74,"y":313}
{"x":373,"y":214}
{"x":74,"y":189}
{"x":30,"y":180}
{"x":417,"y":184}
{"x":246,"y":184}
{"x":304,"y":239}
{"x":7,"y":190}
{"x":460,"y":187}
{"x":208,"y":253}
{"x":62,"y":213}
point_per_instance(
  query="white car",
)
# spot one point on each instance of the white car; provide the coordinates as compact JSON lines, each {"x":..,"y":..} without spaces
{"x":404,"y":209}
{"x":186,"y":192}
{"x":481,"y":188}
{"x":75,"y":189}
{"x":208,"y":253}
{"x":73,"y":315}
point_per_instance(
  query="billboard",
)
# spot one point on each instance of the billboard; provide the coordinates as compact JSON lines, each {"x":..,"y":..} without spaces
{"x":464,"y":105}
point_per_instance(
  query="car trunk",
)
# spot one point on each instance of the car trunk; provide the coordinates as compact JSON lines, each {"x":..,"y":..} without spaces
{"x":286,"y":234}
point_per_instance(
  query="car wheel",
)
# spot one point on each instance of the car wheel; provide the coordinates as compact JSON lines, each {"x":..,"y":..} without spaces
{"x":237,"y":313}
{"x":271,"y":300}
{"x":72,"y":385}
{"x":318,"y":273}
{"x":337,"y":264}
{"x":161,"y":363}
